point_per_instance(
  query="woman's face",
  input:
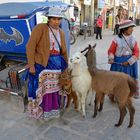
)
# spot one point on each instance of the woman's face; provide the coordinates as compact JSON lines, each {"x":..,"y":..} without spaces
{"x":128,"y":31}
{"x":54,"y":22}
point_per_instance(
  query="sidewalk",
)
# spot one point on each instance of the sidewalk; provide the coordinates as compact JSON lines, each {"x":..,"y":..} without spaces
{"x":17,"y":126}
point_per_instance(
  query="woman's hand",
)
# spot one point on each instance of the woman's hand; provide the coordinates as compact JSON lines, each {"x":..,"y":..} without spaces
{"x":125,"y":63}
{"x":32,"y":70}
{"x":110,"y":61}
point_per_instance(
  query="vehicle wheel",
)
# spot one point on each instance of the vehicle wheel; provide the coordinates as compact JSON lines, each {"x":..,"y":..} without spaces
{"x":25,"y":92}
{"x":72,"y":39}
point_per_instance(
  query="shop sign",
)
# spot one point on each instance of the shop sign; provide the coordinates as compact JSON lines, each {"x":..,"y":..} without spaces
{"x":101,"y":3}
{"x":87,"y":2}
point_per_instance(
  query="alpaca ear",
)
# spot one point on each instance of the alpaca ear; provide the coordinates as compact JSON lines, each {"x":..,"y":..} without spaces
{"x":89,"y":46}
{"x":94,"y":46}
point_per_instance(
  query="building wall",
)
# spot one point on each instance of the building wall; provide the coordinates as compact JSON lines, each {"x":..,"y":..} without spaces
{"x":66,"y":1}
{"x":6,"y":1}
{"x":138,"y":10}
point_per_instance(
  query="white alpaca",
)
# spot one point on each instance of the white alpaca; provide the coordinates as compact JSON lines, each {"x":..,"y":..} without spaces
{"x":81,"y":79}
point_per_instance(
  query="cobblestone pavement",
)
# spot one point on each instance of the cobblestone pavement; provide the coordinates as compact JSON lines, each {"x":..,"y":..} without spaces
{"x":17,"y":126}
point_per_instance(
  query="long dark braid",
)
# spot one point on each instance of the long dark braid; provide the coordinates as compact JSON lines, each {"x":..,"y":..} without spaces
{"x":121,"y":32}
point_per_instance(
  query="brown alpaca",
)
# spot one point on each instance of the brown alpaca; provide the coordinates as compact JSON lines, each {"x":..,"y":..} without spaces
{"x":65,"y":82}
{"x":120,"y":85}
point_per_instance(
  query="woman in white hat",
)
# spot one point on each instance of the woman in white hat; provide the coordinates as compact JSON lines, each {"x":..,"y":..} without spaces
{"x":124,"y":52}
{"x":47,"y":58}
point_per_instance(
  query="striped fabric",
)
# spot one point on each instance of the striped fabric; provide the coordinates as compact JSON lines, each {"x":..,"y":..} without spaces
{"x":126,"y":23}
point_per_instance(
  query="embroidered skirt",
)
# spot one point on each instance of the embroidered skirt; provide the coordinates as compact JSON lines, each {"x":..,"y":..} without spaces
{"x":132,"y":70}
{"x":43,"y":88}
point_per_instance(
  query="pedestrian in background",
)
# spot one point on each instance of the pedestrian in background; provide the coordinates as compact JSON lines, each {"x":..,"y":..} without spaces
{"x":99,"y":24}
{"x":131,"y":18}
{"x":119,"y":18}
{"x":124,"y":52}
{"x":47,"y":59}
{"x":116,"y":29}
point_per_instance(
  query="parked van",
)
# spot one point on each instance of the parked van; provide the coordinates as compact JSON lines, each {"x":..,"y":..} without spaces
{"x":17,"y":21}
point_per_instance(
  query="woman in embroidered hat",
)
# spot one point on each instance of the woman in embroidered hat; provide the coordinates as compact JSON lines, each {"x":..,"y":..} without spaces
{"x":124,"y":52}
{"x":47,"y":59}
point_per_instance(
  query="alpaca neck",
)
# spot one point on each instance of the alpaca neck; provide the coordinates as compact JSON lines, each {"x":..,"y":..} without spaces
{"x":76,"y":70}
{"x":92,"y":70}
{"x":91,"y":65}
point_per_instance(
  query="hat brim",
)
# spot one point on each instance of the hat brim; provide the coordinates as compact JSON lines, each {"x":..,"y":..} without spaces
{"x":126,"y":26}
{"x":46,"y":14}
{"x":59,"y":16}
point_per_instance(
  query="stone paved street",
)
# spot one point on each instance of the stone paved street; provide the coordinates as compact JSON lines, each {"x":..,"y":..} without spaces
{"x":17,"y":126}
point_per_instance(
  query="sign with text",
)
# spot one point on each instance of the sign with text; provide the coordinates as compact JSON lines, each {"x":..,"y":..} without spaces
{"x":87,"y":2}
{"x":101,"y":3}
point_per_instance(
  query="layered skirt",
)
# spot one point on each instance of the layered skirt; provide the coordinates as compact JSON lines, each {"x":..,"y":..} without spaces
{"x":43,"y":89}
{"x":131,"y":70}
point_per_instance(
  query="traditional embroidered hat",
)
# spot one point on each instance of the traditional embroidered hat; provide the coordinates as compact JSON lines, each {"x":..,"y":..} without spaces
{"x":126,"y":24}
{"x":55,"y":12}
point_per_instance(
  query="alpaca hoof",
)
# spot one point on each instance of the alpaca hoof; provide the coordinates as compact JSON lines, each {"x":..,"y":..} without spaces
{"x":94,"y":116}
{"x":117,"y":125}
{"x":100,"y":109}
{"x":130,"y":125}
{"x":76,"y":108}
{"x":83,"y":116}
{"x":79,"y":110}
{"x":67,"y":109}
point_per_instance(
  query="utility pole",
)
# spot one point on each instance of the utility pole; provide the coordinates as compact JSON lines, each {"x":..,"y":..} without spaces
{"x":114,"y":14}
{"x":92,"y":17}
{"x":129,"y":8}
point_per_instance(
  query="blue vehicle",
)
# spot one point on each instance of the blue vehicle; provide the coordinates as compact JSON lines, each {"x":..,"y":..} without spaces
{"x":17,"y":21}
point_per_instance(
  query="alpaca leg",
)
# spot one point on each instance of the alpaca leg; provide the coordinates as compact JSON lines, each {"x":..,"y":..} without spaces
{"x":69,"y":100}
{"x":123,"y":112}
{"x":111,"y":97}
{"x":83,"y":98}
{"x":101,"y":102}
{"x":131,"y":112}
{"x":74,"y":96}
{"x":92,"y":93}
{"x":90,"y":100}
{"x":96,"y":102}
{"x":79,"y":102}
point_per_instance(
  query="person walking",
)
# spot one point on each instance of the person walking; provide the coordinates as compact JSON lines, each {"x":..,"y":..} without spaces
{"x":123,"y":52}
{"x":47,"y":58}
{"x":116,"y":29}
{"x":99,"y":24}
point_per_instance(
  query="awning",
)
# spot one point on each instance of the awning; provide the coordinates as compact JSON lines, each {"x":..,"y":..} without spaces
{"x":8,"y":10}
